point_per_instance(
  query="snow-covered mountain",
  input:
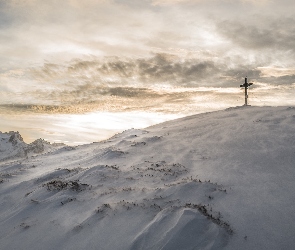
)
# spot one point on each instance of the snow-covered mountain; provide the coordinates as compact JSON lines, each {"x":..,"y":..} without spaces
{"x":220,"y":180}
{"x":12,"y":146}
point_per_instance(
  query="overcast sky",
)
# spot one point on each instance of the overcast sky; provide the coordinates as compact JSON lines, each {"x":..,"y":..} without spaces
{"x":74,"y":56}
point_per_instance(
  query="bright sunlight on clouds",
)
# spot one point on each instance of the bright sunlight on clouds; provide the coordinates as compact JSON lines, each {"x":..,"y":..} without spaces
{"x":166,"y":57}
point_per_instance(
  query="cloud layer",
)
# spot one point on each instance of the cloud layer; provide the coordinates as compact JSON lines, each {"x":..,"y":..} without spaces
{"x":160,"y":55}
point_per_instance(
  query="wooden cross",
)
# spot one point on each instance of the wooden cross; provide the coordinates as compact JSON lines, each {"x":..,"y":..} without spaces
{"x":246,"y":85}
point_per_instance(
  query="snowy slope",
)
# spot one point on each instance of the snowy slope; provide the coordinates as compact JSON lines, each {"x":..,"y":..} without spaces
{"x":220,"y":180}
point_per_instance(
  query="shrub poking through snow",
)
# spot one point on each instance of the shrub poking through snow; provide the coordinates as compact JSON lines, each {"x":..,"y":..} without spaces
{"x":60,"y":185}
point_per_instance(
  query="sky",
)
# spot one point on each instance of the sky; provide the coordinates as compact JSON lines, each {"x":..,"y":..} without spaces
{"x":154,"y":58}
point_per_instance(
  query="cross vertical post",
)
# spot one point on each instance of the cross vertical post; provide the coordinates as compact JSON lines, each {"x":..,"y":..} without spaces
{"x":246,"y":93}
{"x":246,"y":85}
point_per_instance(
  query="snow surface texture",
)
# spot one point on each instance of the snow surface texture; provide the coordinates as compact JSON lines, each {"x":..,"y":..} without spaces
{"x":220,"y":180}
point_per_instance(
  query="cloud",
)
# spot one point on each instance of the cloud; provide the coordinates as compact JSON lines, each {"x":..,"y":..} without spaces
{"x":277,"y":71}
{"x":180,"y":101}
{"x":169,"y":2}
{"x":278,"y":34}
{"x":126,"y":100}
{"x":163,"y":69}
{"x":34,"y":3}
{"x":281,"y":80}
{"x":34,"y":31}
{"x":95,"y":81}
{"x":76,"y":56}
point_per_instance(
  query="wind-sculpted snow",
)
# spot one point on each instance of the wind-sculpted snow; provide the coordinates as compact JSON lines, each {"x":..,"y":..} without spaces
{"x":221,"y":180}
{"x":143,"y":191}
{"x":180,"y":229}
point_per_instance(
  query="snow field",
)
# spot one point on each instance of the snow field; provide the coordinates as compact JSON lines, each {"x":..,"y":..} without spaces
{"x":220,"y":180}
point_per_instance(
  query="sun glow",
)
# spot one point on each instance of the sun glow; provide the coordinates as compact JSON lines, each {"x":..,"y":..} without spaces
{"x":77,"y":129}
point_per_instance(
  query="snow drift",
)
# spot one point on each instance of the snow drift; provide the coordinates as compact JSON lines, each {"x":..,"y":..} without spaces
{"x":220,"y":180}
